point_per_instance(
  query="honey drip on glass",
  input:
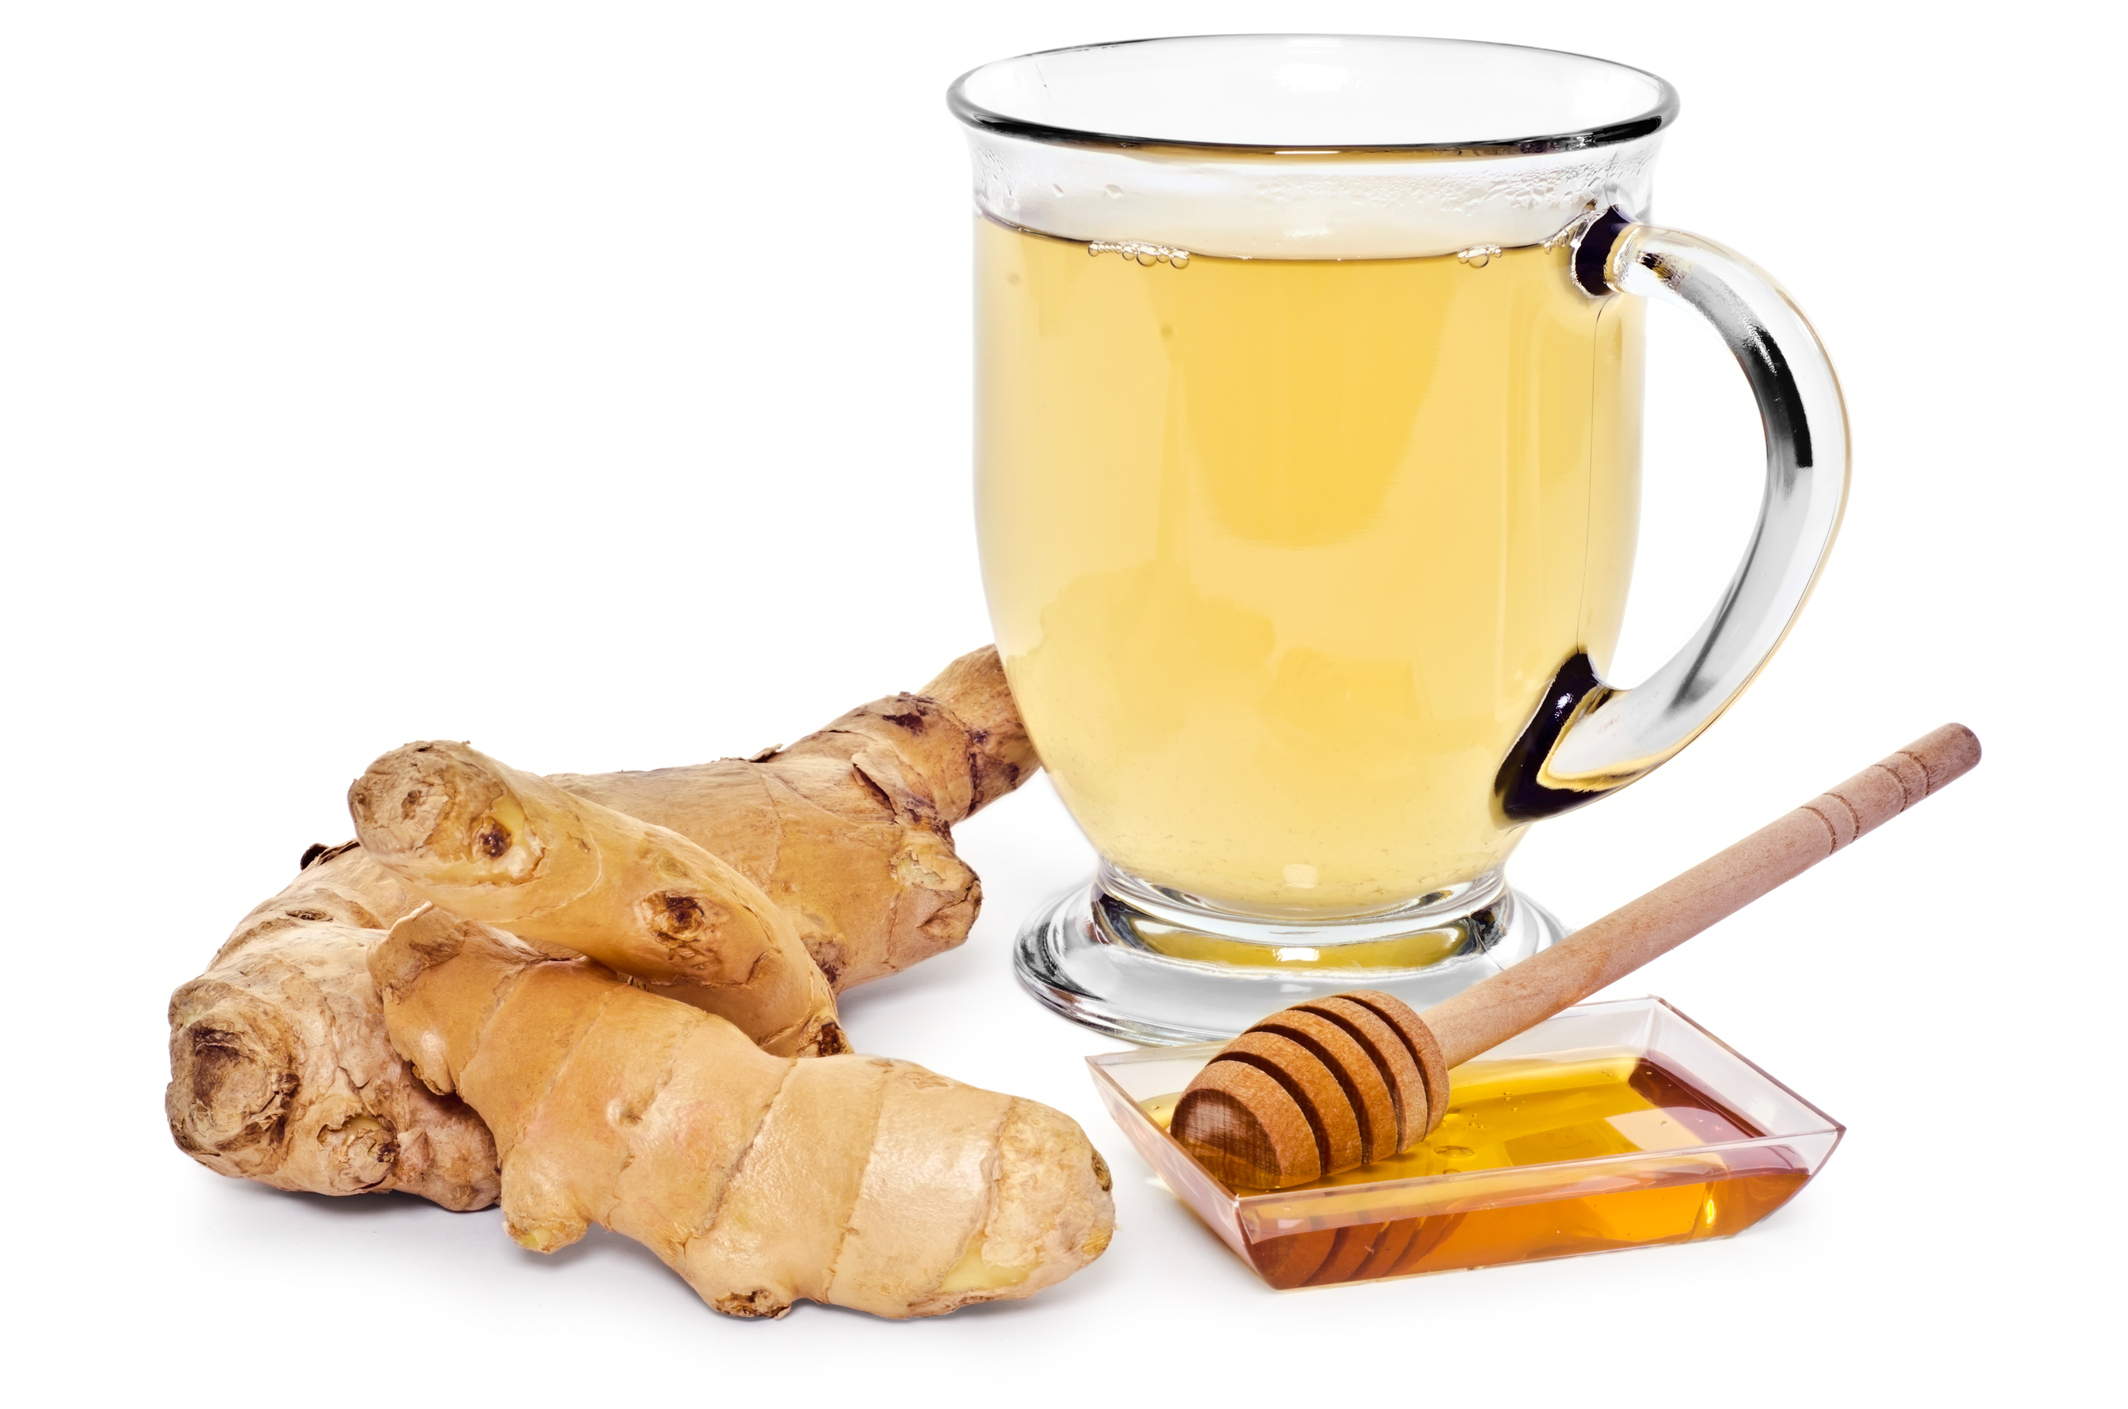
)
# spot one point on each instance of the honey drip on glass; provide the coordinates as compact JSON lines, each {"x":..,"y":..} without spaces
{"x":1512,"y":1114}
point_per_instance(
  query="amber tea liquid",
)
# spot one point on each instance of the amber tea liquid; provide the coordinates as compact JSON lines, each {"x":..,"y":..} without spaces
{"x":1281,"y":553}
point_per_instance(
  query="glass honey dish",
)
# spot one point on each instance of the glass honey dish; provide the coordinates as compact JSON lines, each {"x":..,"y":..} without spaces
{"x":1614,"y":1125}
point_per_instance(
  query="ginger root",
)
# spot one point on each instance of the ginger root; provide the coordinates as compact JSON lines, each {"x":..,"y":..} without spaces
{"x":268,"y":1047}
{"x":492,"y":844}
{"x":860,"y":1181}
{"x":847,"y":830}
{"x":280,"y":1069}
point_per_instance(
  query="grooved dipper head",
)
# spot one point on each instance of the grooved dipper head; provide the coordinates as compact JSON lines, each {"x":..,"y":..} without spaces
{"x":1314,"y":1090}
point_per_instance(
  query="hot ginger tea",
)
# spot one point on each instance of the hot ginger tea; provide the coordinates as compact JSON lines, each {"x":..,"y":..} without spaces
{"x":1516,"y":1114}
{"x":1281,"y":554}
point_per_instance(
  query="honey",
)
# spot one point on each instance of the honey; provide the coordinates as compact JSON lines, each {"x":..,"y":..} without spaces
{"x":1524,"y":1113}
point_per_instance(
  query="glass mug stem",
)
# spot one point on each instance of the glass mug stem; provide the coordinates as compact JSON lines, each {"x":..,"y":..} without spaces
{"x":1307,"y":483}
{"x":1140,"y":962}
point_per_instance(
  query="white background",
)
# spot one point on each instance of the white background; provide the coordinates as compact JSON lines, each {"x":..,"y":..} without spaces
{"x":592,"y":383}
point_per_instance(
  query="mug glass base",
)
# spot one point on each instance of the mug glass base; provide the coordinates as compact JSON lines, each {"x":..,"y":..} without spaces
{"x":1152,"y":965}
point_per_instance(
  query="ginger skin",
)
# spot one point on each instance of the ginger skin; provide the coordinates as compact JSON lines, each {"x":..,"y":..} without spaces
{"x":280,"y":1069}
{"x":492,"y":844}
{"x":858,"y":1181}
{"x":848,"y":830}
{"x":259,"y":1058}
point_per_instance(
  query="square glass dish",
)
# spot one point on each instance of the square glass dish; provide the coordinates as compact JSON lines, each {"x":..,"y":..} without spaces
{"x":1613,"y":1125}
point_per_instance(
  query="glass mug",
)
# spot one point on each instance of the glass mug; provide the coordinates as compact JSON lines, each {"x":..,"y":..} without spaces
{"x":1308,"y":432}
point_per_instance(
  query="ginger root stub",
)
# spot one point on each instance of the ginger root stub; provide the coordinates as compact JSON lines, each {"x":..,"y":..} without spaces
{"x":507,"y":848}
{"x":859,"y":1181}
{"x":280,"y":1070}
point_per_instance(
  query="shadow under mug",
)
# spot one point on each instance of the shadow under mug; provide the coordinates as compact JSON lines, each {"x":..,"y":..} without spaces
{"x":1308,"y":437}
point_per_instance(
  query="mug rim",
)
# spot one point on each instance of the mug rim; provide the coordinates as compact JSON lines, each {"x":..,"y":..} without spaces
{"x":1660,"y":115}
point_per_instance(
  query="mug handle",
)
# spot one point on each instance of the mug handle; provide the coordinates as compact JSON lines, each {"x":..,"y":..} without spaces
{"x":1588,"y":738}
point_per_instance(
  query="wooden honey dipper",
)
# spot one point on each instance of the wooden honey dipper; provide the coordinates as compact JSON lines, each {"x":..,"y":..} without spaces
{"x":1335,"y":1083}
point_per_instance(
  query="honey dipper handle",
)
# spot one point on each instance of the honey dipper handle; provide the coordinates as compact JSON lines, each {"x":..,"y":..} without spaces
{"x":1517,"y":999}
